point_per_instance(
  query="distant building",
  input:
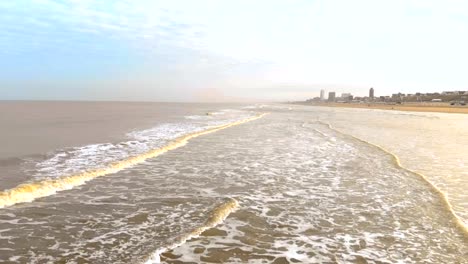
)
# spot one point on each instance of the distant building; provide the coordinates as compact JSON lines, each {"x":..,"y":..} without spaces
{"x":346,"y":97}
{"x":371,"y":93}
{"x":453,"y":92}
{"x":322,"y":94}
{"x":331,"y":96}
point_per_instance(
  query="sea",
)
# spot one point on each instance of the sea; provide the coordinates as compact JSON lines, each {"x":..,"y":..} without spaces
{"x":128,"y":182}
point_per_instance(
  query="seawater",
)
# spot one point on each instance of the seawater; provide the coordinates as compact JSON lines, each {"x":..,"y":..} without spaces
{"x":299,"y":184}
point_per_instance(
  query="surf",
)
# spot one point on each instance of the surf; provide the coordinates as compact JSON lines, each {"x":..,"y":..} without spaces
{"x":217,"y":216}
{"x":396,"y":160}
{"x":28,"y":192}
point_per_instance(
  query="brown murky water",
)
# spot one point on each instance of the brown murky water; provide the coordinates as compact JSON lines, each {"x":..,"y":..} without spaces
{"x":281,"y":188}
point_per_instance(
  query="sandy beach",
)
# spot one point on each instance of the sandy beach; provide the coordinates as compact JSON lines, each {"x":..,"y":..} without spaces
{"x":412,"y":107}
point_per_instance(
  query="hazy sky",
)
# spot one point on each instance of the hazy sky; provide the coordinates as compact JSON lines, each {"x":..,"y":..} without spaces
{"x":229,"y":50}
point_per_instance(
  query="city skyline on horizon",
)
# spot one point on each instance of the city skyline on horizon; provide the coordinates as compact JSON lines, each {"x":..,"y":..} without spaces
{"x":453,"y":97}
{"x":325,"y":93}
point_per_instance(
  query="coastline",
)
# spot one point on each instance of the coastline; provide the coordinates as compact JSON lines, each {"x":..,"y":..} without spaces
{"x":409,"y":107}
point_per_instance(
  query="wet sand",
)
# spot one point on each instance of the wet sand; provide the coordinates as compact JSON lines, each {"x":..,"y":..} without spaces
{"x":411,"y":107}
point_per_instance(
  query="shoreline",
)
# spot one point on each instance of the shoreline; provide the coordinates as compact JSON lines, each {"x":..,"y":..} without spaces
{"x":408,"y":107}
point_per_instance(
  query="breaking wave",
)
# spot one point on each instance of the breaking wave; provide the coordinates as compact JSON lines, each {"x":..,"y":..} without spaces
{"x":28,"y":192}
{"x":217,"y":216}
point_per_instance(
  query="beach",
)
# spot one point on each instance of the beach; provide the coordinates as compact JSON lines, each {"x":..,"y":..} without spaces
{"x":230,"y":183}
{"x":411,"y":107}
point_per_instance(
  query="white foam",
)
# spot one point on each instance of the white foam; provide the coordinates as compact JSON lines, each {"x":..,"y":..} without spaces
{"x":218,"y":216}
{"x":95,"y":156}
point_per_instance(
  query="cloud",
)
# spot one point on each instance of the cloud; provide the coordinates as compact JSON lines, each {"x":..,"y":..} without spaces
{"x":132,"y":23}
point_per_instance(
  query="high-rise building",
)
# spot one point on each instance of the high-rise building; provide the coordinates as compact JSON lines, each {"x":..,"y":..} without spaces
{"x":322,"y":94}
{"x":371,"y":93}
{"x":331,"y":96}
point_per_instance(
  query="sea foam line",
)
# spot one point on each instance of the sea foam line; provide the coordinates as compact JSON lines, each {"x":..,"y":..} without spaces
{"x":217,"y":216}
{"x":28,"y":192}
{"x":458,"y":221}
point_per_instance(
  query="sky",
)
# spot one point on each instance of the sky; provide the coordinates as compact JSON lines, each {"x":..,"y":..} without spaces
{"x":215,"y":50}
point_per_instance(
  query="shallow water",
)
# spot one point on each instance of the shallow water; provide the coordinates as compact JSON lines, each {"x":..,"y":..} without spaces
{"x":283,"y":188}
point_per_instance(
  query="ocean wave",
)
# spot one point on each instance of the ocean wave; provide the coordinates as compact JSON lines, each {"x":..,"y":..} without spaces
{"x":217,"y":216}
{"x":28,"y":192}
